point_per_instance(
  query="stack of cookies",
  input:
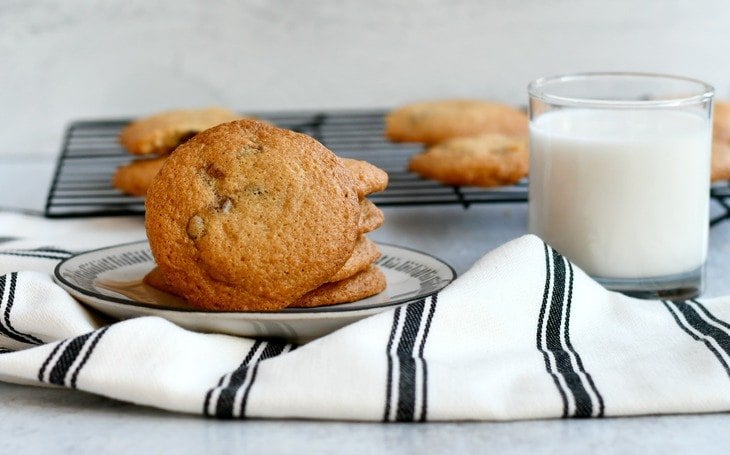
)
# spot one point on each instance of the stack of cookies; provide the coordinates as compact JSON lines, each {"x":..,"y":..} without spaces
{"x":246,"y":216}
{"x":150,"y":140}
{"x":721,"y":141}
{"x":468,"y":142}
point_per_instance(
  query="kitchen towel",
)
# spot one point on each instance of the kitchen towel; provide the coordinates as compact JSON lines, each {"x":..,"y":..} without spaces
{"x":523,"y":334}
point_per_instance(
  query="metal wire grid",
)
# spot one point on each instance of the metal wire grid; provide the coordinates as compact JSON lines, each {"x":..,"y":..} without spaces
{"x":90,"y":154}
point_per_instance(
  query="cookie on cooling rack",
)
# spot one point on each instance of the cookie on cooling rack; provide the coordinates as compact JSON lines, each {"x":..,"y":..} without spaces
{"x":431,"y":122}
{"x":162,"y":132}
{"x":721,"y":122}
{"x":486,"y":160}
{"x":247,"y":216}
{"x":720,"y":161}
{"x":135,"y":177}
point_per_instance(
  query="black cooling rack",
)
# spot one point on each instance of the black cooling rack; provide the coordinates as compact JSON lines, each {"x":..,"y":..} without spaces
{"x":90,"y":154}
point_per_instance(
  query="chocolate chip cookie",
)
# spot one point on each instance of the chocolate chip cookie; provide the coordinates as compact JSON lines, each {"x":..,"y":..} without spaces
{"x":431,"y":122}
{"x":247,"y":216}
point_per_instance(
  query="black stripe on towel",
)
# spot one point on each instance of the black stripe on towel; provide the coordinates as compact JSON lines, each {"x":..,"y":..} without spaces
{"x":6,"y":328}
{"x":246,"y":360}
{"x":92,"y":346}
{"x":34,"y":254}
{"x":42,"y":371}
{"x":579,"y":361}
{"x":52,"y":250}
{"x":710,"y":316}
{"x":715,"y":339}
{"x":562,"y":361}
{"x":389,"y":377}
{"x":405,"y":349}
{"x":243,"y":378}
{"x":424,"y":390}
{"x":66,"y":366}
{"x":555,"y":340}
{"x":540,"y":328}
{"x":272,"y":350}
{"x":407,"y":362}
{"x":67,"y":358}
{"x":238,"y":375}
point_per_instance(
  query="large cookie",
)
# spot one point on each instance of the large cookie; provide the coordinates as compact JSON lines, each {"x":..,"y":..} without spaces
{"x":370,"y":178}
{"x":366,"y":252}
{"x":431,"y":122}
{"x":135,"y":177}
{"x":369,"y":282}
{"x":363,"y":284}
{"x":247,"y":216}
{"x":486,"y":160}
{"x":161,"y":133}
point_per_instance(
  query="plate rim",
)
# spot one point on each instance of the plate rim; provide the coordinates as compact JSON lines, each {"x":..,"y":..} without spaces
{"x":286,"y":311}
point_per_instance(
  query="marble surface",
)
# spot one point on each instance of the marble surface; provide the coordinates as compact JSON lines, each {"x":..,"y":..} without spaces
{"x":42,"y":420}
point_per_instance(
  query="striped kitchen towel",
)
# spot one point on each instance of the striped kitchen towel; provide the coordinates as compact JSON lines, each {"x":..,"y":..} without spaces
{"x":524,"y":334}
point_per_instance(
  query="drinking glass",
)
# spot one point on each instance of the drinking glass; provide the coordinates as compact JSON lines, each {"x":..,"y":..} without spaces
{"x":620,"y":176}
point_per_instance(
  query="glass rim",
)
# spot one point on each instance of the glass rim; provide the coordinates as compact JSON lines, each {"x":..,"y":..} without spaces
{"x":535,"y":89}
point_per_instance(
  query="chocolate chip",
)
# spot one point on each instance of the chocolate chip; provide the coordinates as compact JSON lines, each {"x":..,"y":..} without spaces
{"x":213,"y":171}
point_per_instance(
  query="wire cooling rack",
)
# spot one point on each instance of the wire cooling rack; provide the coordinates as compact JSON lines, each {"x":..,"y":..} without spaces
{"x":90,"y":154}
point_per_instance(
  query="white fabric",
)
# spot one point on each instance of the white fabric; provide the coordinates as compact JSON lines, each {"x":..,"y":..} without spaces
{"x":521,"y":335}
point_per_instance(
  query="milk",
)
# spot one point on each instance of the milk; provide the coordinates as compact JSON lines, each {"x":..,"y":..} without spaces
{"x":622,"y":193}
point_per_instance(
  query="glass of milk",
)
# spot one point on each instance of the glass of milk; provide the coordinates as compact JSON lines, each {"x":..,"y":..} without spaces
{"x":620,"y":177}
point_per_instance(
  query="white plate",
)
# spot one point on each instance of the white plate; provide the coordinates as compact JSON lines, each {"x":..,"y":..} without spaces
{"x":110,"y":280}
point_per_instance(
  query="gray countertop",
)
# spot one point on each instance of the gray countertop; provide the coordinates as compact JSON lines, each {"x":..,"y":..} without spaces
{"x":59,"y":421}
{"x":52,"y":420}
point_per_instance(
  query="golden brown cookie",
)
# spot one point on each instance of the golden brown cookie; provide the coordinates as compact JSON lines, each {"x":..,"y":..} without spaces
{"x":362,"y":284}
{"x":720,"y":161}
{"x":161,"y":133}
{"x":366,"y":252}
{"x":247,"y":216}
{"x":371,"y":217}
{"x":721,"y":122}
{"x":370,"y":178}
{"x":486,"y":160}
{"x":369,"y":282}
{"x":156,"y":278}
{"x":135,"y":177}
{"x":431,"y":122}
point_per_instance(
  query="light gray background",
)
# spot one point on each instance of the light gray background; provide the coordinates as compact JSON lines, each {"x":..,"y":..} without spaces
{"x":67,"y":59}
